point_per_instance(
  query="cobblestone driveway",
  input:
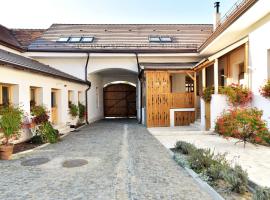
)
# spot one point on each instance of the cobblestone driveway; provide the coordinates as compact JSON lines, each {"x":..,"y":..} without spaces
{"x":124,"y":162}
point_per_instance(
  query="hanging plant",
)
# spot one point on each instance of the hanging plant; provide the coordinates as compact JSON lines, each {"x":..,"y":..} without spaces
{"x":207,"y":94}
{"x":265,"y":90}
{"x":237,"y":94}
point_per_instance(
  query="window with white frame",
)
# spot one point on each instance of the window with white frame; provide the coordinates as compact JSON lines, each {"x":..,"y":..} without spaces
{"x":5,"y":95}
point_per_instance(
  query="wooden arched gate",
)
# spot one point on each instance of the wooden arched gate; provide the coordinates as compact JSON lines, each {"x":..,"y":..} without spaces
{"x":119,"y":100}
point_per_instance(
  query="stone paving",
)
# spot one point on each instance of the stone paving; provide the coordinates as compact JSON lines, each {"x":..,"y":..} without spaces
{"x":121,"y":160}
{"x":255,"y":159}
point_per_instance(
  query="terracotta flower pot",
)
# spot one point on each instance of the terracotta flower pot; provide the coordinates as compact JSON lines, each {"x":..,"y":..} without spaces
{"x":6,"y":151}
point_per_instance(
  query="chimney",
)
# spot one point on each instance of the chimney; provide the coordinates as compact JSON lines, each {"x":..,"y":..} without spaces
{"x":217,"y":15}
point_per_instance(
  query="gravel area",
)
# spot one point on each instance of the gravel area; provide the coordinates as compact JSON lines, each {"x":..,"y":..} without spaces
{"x":121,"y":160}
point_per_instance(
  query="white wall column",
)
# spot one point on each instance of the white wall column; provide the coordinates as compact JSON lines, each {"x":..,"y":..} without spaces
{"x":203,"y":78}
{"x":216,"y":76}
{"x":46,"y":98}
{"x":24,"y":98}
{"x":62,"y":105}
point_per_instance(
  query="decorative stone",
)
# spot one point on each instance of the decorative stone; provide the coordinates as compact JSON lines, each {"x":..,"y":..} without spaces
{"x":74,"y":163}
{"x":35,"y":161}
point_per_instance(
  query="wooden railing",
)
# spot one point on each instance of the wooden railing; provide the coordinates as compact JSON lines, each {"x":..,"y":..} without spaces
{"x":182,"y":100}
{"x":159,"y":105}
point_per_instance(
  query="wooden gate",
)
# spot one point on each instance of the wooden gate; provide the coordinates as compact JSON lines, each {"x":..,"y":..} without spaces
{"x":120,"y":100}
{"x":159,"y":101}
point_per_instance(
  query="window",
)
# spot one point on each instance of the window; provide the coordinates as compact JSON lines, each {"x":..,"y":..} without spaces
{"x":87,"y":39}
{"x":63,"y":39}
{"x":241,"y":71}
{"x":75,"y":39}
{"x":160,"y":39}
{"x":165,"y":39}
{"x":189,"y":84}
{"x":32,"y":97}
{"x":154,"y":39}
{"x":5,"y":95}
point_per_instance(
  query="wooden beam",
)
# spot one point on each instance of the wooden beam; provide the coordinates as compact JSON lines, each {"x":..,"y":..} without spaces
{"x":204,"y":65}
{"x":192,"y":77}
{"x":180,"y":71}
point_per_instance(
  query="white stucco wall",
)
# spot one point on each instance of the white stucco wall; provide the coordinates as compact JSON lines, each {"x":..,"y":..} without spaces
{"x":101,"y":62}
{"x":95,"y":98}
{"x":259,"y":45}
{"x":21,"y":82}
{"x":71,"y":65}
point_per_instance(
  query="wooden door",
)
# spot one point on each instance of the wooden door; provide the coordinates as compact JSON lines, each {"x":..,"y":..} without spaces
{"x":207,"y":116}
{"x":120,"y":100}
{"x":54,"y":107}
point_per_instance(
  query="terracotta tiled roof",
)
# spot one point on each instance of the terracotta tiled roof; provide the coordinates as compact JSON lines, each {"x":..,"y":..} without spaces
{"x":124,"y":37}
{"x":26,"y":36}
{"x":7,"y":39}
{"x":21,"y":62}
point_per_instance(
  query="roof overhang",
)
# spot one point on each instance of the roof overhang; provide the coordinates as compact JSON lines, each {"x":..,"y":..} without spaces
{"x":239,"y":28}
{"x":167,"y":66}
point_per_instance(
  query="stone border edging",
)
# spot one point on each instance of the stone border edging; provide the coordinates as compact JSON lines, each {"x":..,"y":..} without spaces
{"x":203,"y":185}
{"x":16,"y":155}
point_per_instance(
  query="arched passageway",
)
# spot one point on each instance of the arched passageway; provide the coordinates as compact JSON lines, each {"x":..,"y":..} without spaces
{"x":119,"y":100}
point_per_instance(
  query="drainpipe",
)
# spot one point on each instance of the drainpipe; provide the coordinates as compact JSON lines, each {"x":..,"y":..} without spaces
{"x":139,"y":77}
{"x":86,"y":91}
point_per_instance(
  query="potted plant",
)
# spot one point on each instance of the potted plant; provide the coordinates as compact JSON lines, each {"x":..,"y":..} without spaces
{"x":10,"y":123}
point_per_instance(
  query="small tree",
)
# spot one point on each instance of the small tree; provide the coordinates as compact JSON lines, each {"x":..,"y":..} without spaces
{"x":10,"y":122}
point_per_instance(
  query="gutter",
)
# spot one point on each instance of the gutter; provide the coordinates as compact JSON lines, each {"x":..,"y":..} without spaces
{"x":86,"y":91}
{"x":139,"y":77}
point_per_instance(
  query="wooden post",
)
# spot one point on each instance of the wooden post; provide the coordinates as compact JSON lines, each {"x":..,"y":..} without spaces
{"x":195,"y":93}
{"x":216,"y":76}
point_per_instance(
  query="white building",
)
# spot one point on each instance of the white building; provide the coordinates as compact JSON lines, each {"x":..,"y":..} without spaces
{"x":71,"y":56}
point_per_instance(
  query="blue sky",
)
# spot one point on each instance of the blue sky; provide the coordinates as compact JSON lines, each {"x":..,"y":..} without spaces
{"x":41,"y":14}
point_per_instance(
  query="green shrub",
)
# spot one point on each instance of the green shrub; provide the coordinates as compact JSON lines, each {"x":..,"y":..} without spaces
{"x":38,"y":110}
{"x":73,"y":110}
{"x":184,"y":147}
{"x":212,"y":167}
{"x":261,"y":193}
{"x":10,"y":122}
{"x":237,"y":179}
{"x":81,"y":111}
{"x":48,"y":133}
{"x":207,"y":94}
{"x":243,"y":123}
{"x":237,"y":94}
{"x":201,"y":159}
{"x":265,"y":90}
